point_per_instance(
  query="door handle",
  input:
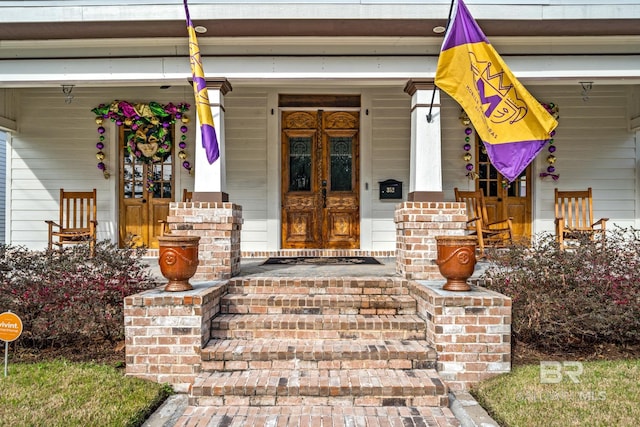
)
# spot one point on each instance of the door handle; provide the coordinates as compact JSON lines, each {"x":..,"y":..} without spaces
{"x":324,"y":197}
{"x":144,"y":200}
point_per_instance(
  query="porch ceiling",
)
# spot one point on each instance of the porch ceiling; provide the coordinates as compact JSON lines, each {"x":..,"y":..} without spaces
{"x":309,"y":28}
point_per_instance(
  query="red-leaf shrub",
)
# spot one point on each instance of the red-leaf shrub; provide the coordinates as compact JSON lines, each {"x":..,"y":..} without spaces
{"x":575,"y":298}
{"x":64,"y":295}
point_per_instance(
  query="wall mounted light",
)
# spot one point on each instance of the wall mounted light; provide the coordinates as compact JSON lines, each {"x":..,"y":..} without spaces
{"x":586,"y":88}
{"x":66,"y":90}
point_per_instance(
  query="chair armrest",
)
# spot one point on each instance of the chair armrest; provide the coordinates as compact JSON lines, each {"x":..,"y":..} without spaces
{"x":473,"y":219}
{"x":601,"y":222}
{"x":505,"y":224}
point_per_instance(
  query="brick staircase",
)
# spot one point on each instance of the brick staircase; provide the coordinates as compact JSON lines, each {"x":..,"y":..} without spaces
{"x":318,"y":351}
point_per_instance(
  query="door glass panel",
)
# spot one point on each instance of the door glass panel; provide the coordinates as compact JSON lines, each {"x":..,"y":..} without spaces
{"x":161,"y":179}
{"x":487,"y":174}
{"x":341,"y":163}
{"x":128,"y":177}
{"x":300,"y":163}
{"x":518,"y":188}
{"x":138,"y":174}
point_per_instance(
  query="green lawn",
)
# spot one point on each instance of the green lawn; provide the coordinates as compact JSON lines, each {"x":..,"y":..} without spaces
{"x":62,"y":393}
{"x":607,"y":393}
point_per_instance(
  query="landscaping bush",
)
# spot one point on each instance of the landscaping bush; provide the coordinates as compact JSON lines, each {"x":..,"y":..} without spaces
{"x":63,"y":296}
{"x":575,"y":298}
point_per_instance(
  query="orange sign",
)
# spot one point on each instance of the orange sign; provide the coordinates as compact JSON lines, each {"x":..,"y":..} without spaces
{"x":10,"y":326}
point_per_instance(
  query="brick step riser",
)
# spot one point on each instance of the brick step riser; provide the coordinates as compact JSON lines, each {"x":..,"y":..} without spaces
{"x":314,"y":290}
{"x":343,"y":401}
{"x":295,"y":323}
{"x":241,"y":365}
{"x":354,"y":282}
{"x":262,"y":309}
{"x":320,"y":301}
{"x":324,"y":334}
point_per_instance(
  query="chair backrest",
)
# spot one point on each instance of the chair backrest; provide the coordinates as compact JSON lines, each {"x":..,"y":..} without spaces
{"x":187,"y":196}
{"x":77,"y":209}
{"x":476,"y":207}
{"x":576,"y":208}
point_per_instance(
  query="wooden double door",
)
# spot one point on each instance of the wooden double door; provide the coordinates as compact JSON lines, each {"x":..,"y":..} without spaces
{"x":504,"y":199}
{"x":320,"y":179}
{"x":145,"y":191}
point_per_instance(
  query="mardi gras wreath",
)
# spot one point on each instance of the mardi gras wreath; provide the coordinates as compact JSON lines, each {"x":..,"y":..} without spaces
{"x":147,"y":132}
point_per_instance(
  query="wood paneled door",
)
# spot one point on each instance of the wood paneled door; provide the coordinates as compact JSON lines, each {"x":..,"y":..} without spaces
{"x":320,"y":180}
{"x":504,"y":199}
{"x":146,"y":189}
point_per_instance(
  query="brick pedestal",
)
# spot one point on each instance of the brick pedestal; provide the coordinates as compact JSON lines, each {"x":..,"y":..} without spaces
{"x":470,"y":331}
{"x":219,"y":226}
{"x":164,"y":332}
{"x":417,"y":224}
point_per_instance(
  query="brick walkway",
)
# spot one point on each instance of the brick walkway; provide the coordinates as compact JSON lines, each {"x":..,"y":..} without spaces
{"x":317,"y":416}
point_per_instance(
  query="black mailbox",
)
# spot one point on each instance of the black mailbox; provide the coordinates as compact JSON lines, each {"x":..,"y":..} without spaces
{"x":390,"y":189}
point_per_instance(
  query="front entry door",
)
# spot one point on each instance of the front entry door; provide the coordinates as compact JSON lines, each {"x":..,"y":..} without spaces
{"x":504,"y":199}
{"x":146,"y":188}
{"x":320,"y":180}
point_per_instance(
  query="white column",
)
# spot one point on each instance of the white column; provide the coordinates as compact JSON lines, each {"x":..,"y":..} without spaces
{"x":425,"y":183}
{"x":210,"y":179}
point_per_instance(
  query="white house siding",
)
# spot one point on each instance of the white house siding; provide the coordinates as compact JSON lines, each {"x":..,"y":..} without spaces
{"x":390,"y":159}
{"x":246,"y":164}
{"x":595,"y":148}
{"x":3,"y":184}
{"x":55,"y":148}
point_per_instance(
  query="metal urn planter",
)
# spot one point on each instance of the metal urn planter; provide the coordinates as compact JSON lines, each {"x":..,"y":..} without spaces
{"x":456,"y":260}
{"x":178,"y":260}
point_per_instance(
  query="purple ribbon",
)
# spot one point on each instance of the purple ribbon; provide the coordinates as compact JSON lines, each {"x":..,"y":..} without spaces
{"x":552,"y":175}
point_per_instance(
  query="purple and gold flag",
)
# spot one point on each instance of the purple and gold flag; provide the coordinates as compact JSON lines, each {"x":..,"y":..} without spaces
{"x":203,"y":108}
{"x":511,"y":123}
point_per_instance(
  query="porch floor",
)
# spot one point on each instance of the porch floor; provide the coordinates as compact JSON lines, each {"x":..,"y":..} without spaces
{"x":255,"y":267}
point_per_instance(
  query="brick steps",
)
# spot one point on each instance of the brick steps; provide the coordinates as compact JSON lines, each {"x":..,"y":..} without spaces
{"x":313,"y":326}
{"x":317,"y":304}
{"x":366,"y":387}
{"x":318,"y":351}
{"x":229,"y":354}
{"x":311,"y":415}
{"x":318,"y":286}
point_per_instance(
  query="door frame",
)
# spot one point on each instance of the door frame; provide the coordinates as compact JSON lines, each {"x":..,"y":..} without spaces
{"x":314,"y":103}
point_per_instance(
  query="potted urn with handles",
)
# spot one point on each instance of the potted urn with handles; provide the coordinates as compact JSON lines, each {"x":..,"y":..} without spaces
{"x":456,"y":260}
{"x":178,"y":260}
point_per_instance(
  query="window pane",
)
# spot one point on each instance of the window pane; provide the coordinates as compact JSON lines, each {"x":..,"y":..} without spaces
{"x":341,"y":163}
{"x":300,"y":163}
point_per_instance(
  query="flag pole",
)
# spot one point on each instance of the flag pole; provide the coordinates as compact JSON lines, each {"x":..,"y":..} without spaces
{"x":433,"y":95}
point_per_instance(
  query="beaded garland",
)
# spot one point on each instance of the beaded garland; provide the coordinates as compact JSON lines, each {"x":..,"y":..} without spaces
{"x":551,"y":158}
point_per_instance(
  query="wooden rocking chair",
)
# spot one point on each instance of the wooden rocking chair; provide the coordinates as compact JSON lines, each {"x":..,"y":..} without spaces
{"x":77,"y":222}
{"x":574,"y":217}
{"x":497,"y":234}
